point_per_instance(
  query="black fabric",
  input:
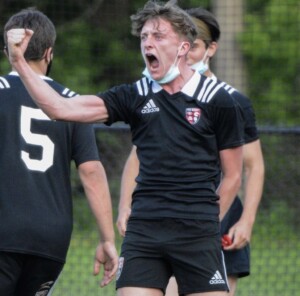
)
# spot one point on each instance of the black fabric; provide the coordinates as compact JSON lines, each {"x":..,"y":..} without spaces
{"x":178,"y":139}
{"x":35,"y":157}
{"x":27,"y":275}
{"x":154,"y":250}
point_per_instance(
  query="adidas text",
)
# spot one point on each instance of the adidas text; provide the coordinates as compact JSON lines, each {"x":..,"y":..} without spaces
{"x":214,"y":282}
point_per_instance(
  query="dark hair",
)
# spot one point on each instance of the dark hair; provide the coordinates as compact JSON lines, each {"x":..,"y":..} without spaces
{"x":209,"y":19}
{"x":44,"y":31}
{"x":169,"y":11}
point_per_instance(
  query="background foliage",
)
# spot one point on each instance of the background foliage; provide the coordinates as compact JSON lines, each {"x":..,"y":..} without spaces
{"x":273,"y":60}
{"x":95,"y":50}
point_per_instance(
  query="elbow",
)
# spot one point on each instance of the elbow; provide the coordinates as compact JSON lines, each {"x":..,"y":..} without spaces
{"x":92,"y":170}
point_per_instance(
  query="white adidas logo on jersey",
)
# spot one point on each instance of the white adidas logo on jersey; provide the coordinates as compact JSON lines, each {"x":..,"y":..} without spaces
{"x":150,"y":107}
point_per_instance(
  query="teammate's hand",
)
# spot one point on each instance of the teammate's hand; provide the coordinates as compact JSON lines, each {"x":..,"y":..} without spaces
{"x":240,"y":234}
{"x":226,"y":240}
{"x":106,"y":255}
{"x":17,"y":42}
{"x":122,"y":220}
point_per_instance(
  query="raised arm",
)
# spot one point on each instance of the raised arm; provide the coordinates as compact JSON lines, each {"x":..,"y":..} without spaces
{"x":88,"y":108}
{"x":128,"y":184}
{"x":94,"y":181}
{"x":253,"y":187}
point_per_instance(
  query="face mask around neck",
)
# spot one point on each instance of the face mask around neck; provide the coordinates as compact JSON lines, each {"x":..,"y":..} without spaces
{"x":172,"y":73}
{"x":201,"y":66}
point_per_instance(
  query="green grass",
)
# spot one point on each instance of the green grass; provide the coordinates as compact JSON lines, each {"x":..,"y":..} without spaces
{"x":77,"y":277}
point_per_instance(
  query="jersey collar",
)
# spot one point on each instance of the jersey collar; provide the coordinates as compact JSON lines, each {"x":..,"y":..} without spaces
{"x":14,"y":73}
{"x":191,"y":86}
{"x":188,"y":89}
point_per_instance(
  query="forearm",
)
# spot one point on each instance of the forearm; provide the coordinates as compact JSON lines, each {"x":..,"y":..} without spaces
{"x":88,"y":108}
{"x":80,"y":108}
{"x":127,"y":187}
{"x":231,"y":166}
{"x":227,"y":192}
{"x":43,"y":95}
{"x":98,"y":196}
{"x":254,"y":172}
{"x":241,"y":231}
{"x":128,"y":182}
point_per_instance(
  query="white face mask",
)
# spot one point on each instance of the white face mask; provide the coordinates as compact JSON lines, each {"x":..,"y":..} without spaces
{"x":172,"y":73}
{"x":201,"y":66}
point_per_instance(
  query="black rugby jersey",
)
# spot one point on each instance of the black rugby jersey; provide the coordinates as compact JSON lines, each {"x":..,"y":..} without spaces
{"x":178,"y":139}
{"x":250,"y":128}
{"x":250,"y":135}
{"x":35,"y":156}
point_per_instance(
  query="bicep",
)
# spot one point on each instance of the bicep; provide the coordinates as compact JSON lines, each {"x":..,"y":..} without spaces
{"x":252,"y":153}
{"x":254,"y":167}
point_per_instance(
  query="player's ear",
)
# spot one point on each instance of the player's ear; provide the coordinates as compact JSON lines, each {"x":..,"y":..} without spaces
{"x":184,"y":48}
{"x":212,"y":48}
{"x":48,"y":54}
{"x":5,"y":50}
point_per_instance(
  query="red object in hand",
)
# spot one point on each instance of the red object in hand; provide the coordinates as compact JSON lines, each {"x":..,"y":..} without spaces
{"x":226,"y":240}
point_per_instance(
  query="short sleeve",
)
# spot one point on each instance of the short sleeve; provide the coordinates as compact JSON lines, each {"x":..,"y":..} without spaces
{"x":228,"y":122}
{"x":119,"y":102}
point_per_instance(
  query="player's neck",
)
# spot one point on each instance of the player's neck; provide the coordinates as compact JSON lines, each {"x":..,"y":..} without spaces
{"x":179,"y":82}
{"x":38,"y":67}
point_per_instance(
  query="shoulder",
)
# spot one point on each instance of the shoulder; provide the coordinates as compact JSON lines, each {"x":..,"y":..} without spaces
{"x":145,"y":85}
{"x":212,"y":91}
{"x":61,"y":89}
{"x":8,"y":81}
{"x":141,"y":88}
{"x":4,"y":83}
{"x":241,"y":98}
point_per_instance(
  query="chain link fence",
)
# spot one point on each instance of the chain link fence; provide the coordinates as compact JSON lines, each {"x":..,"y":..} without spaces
{"x":258,"y":54}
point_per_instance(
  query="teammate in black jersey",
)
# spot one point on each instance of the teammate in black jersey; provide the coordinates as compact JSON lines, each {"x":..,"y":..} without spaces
{"x":35,"y":189}
{"x":238,"y":222}
{"x":183,"y":125}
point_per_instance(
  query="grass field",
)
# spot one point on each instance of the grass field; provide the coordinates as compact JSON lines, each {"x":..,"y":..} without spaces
{"x":275,"y":258}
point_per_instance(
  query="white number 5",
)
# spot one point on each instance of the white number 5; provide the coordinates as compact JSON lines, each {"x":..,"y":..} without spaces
{"x":41,"y":165}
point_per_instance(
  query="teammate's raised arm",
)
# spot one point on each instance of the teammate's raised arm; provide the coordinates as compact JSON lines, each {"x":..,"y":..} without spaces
{"x":87,"y":108}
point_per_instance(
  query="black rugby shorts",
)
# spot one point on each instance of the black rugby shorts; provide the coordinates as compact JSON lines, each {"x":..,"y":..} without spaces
{"x":154,"y":250}
{"x":27,"y":275}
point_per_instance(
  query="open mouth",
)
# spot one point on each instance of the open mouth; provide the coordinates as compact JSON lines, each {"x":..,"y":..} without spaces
{"x":152,"y":60}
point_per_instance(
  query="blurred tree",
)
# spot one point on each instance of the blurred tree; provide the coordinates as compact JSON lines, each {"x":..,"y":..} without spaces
{"x":95,"y":49}
{"x":271,"y":45}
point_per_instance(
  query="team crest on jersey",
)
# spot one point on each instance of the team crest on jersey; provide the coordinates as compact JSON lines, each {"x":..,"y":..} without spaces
{"x":120,"y":267}
{"x":192,"y":115}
